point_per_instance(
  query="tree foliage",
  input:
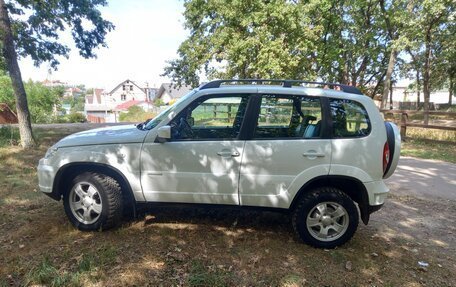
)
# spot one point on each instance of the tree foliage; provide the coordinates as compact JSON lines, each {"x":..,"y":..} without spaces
{"x":31,"y":28}
{"x":349,"y":42}
{"x":44,"y":101}
{"x":36,"y":26}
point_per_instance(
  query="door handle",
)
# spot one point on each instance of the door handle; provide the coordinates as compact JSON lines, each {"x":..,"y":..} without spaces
{"x":313,"y":154}
{"x":228,"y":153}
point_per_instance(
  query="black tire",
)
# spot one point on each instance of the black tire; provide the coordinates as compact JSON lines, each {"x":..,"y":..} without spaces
{"x":109,"y":196}
{"x":333,"y":198}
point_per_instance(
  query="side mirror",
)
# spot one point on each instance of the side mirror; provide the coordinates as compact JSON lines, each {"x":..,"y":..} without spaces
{"x":164,"y":134}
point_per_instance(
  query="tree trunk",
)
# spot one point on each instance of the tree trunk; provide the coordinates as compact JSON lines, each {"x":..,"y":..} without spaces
{"x":389,"y":73}
{"x":9,"y":53}
{"x":418,"y":89}
{"x":450,"y":93}
{"x":391,"y":95}
{"x":427,"y":76}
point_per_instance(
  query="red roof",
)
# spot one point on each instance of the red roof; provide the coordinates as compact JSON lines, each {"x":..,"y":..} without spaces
{"x":126,"y":105}
{"x":7,"y":116}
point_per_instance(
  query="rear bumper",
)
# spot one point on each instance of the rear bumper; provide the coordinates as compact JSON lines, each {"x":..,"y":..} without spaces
{"x":374,"y":208}
{"x":377,"y":192}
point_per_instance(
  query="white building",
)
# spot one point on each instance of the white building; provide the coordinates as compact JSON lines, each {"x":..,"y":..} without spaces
{"x":403,"y":95}
{"x":168,"y":92}
{"x":104,"y":106}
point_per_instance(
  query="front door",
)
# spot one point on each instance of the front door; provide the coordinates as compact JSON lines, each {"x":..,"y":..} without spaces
{"x":201,"y":162}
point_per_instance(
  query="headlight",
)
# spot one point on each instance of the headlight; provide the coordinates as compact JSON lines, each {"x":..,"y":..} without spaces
{"x":50,"y":152}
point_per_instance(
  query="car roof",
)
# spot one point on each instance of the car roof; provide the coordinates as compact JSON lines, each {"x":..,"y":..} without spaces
{"x":277,"y":89}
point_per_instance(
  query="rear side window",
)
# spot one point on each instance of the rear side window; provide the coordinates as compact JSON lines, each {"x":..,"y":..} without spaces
{"x":287,"y":116}
{"x":350,"y":119}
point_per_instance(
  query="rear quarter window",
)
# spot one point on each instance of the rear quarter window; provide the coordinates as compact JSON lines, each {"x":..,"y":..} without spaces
{"x":350,"y":119}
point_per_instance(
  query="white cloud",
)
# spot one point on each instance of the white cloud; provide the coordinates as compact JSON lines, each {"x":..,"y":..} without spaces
{"x":147,"y":34}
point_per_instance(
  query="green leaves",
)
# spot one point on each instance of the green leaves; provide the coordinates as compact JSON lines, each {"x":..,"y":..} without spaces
{"x":42,"y":100}
{"x":317,"y":39}
{"x":339,"y":41}
{"x":36,"y":26}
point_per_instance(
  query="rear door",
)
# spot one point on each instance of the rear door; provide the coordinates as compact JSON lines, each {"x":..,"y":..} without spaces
{"x":288,"y":147}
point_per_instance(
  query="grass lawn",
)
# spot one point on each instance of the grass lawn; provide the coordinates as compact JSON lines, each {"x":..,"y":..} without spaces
{"x":204,"y":247}
{"x":428,"y":150}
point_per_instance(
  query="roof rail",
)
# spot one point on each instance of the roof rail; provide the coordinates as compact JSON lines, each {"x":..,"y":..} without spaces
{"x":284,"y":83}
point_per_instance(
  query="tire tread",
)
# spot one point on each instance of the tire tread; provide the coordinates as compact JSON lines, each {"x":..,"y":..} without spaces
{"x":314,"y":194}
{"x":114,"y":195}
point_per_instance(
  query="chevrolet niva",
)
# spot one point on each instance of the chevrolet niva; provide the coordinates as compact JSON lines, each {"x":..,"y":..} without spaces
{"x":319,"y":151}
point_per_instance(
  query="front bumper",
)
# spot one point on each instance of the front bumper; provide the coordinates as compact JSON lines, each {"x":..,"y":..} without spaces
{"x":46,"y":174}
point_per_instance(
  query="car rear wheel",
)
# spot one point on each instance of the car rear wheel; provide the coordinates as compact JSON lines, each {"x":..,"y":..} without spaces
{"x":93,"y":202}
{"x":325,"y":218}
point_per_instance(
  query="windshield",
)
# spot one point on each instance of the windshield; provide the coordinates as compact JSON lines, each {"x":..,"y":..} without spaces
{"x":164,"y":114}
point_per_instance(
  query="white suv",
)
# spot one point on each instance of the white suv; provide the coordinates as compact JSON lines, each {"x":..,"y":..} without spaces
{"x":319,"y":153}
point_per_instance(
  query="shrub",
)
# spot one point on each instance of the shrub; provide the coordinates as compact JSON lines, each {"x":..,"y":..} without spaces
{"x":76,"y":118}
{"x":135,"y":114}
{"x":9,"y":136}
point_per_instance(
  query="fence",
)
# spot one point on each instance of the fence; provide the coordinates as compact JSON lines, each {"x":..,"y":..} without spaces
{"x":95,"y":119}
{"x":404,"y":120}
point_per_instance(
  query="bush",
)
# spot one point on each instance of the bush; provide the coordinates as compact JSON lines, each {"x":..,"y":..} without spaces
{"x":135,"y":114}
{"x":9,"y":136}
{"x":76,"y":118}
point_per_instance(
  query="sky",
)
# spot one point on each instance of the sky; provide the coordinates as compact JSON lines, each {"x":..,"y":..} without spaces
{"x":147,"y":34}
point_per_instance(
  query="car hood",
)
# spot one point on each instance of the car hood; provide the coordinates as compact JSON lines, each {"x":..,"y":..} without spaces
{"x":107,"y":135}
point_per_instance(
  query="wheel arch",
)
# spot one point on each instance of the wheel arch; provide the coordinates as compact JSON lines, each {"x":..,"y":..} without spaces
{"x":67,"y":172}
{"x":351,"y":186}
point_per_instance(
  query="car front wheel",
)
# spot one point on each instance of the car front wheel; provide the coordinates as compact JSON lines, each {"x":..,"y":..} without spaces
{"x":325,"y":218}
{"x":93,"y":202}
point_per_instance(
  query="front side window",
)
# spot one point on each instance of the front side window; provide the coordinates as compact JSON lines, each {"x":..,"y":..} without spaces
{"x":218,"y":117}
{"x":167,"y":112}
{"x":284,"y":116}
{"x":350,"y":119}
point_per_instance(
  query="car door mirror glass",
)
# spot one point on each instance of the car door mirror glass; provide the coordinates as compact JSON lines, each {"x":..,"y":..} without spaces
{"x":164,"y":134}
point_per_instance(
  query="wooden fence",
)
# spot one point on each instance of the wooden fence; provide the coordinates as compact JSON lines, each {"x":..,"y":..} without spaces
{"x":95,"y":119}
{"x":404,"y":120}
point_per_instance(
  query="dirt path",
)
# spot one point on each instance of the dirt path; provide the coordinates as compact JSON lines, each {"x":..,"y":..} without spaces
{"x":425,"y":179}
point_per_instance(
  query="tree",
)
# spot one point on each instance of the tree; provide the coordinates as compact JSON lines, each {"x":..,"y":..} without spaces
{"x":44,"y":101}
{"x":6,"y":90}
{"x":245,"y":39}
{"x":30,"y":28}
{"x":336,"y":41}
{"x":352,"y":46}
{"x":432,"y":22}
{"x":444,"y":63}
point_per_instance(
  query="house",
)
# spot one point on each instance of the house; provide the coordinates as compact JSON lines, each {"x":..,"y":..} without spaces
{"x":405,"y":98}
{"x":72,"y":92}
{"x":102,"y":106}
{"x":7,"y":116}
{"x":53,"y":83}
{"x":168,"y":92}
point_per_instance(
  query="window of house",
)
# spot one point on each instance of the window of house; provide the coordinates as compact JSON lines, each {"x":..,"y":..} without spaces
{"x":284,"y":116}
{"x":123,"y":87}
{"x":131,"y":88}
{"x":123,"y":97}
{"x":349,"y":118}
{"x":212,"y":118}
